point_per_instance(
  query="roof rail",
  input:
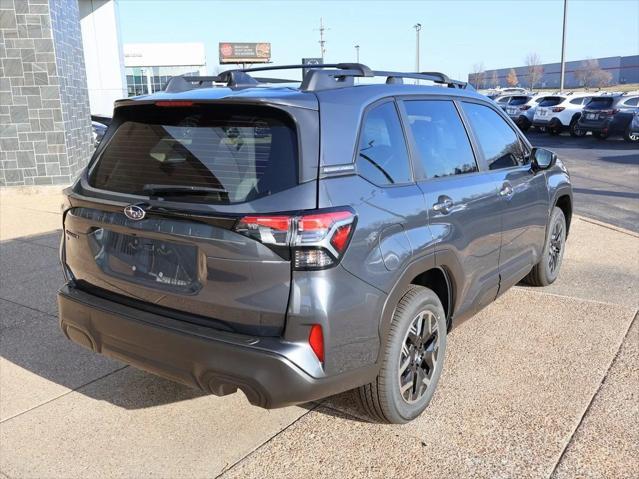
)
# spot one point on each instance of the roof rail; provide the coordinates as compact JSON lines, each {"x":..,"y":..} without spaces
{"x":318,"y":77}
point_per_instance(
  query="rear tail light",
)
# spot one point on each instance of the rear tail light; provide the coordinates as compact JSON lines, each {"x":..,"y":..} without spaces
{"x":609,"y":112}
{"x":557,"y":109}
{"x":316,"y":341}
{"x":524,"y":107}
{"x":317,"y":240}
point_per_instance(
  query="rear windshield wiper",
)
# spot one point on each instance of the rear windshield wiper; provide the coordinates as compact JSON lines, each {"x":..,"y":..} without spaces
{"x":179,"y":190}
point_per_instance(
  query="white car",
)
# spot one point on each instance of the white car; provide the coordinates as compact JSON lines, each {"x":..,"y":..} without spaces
{"x":522,"y":112}
{"x":560,"y":112}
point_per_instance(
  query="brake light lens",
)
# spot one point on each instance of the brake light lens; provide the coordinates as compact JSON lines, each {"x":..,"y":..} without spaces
{"x":174,"y":103}
{"x":318,"y":240}
{"x":557,"y":109}
{"x":524,"y":107}
{"x":316,"y":341}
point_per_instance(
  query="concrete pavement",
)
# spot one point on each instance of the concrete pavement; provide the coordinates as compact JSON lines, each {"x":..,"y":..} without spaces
{"x":542,"y":383}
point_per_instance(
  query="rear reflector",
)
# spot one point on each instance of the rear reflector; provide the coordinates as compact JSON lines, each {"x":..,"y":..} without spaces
{"x":316,"y":341}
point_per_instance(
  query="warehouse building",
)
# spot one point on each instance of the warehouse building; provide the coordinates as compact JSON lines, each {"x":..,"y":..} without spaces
{"x":623,"y":70}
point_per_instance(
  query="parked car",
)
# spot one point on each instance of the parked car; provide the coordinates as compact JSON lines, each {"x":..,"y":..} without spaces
{"x":196,"y":251}
{"x":632,"y":133}
{"x":499,"y":92}
{"x":98,"y":131}
{"x":610,"y":114}
{"x":524,"y":118}
{"x":561,"y":112}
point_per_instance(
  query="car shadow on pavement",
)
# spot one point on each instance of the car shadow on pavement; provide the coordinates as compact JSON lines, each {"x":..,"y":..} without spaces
{"x":35,"y":351}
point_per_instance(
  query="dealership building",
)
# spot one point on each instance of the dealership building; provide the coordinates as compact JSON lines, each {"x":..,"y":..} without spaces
{"x":623,"y":70}
{"x":149,"y":66}
{"x":60,"y":62}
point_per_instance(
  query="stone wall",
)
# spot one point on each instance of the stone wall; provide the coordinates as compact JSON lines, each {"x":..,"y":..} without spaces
{"x":45,"y":125}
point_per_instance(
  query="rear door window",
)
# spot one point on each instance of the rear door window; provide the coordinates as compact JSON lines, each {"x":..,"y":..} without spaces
{"x":632,"y":102}
{"x":382,"y":153}
{"x":440,"y":137}
{"x":226,"y":154}
{"x":498,"y":141}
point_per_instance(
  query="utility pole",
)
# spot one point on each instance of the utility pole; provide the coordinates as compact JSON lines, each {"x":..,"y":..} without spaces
{"x":417,"y":27}
{"x":563,"y":49}
{"x":357,"y":52}
{"x":322,"y":42}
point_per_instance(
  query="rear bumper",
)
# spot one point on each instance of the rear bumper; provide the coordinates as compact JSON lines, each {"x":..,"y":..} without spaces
{"x":594,"y":126}
{"x":213,"y":361}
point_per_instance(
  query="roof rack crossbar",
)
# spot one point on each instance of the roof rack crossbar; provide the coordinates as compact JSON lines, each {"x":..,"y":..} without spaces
{"x":318,"y":77}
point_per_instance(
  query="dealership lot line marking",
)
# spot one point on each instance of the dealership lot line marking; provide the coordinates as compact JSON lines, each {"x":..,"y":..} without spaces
{"x":254,"y":450}
{"x":556,"y":295}
{"x":592,"y":399}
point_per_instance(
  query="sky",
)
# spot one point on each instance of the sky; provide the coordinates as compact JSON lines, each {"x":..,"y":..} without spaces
{"x":455,"y":35}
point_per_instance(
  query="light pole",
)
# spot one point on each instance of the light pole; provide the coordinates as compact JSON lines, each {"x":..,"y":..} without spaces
{"x":563,"y":49}
{"x":357,"y":52}
{"x":417,"y":27}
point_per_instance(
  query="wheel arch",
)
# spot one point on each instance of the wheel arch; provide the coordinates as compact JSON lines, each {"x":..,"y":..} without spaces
{"x":437,"y":279}
{"x":564,"y":203}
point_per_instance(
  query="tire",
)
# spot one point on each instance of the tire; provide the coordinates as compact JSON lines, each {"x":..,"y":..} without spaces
{"x":546,"y":271}
{"x":554,"y":128}
{"x":631,"y":137}
{"x":523,"y":124}
{"x":577,"y":132}
{"x":421,"y":355}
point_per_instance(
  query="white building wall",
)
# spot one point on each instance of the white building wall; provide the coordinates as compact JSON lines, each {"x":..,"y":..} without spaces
{"x":103,"y":54}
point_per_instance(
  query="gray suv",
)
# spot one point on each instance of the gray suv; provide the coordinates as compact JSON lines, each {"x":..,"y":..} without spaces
{"x":295,"y":241}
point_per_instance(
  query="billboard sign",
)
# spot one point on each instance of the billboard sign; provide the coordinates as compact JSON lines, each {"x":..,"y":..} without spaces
{"x":231,"y":52}
{"x":310,"y":62}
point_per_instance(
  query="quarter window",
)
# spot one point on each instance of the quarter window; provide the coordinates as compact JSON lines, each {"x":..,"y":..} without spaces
{"x":383,"y":156}
{"x":498,"y":141}
{"x":441,"y":139}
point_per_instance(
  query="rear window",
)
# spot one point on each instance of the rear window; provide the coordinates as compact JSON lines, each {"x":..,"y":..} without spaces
{"x":519,"y":100}
{"x":599,"y":103}
{"x":226,"y":154}
{"x":551,"y":101}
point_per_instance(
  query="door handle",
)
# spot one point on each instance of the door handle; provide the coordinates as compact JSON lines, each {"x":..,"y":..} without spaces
{"x":443,"y":205}
{"x":506,"y":190}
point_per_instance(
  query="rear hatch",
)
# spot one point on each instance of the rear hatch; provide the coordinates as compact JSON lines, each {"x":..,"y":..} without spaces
{"x":153,"y":221}
{"x":597,"y":109}
{"x":513,"y":108}
{"x":543,"y":112}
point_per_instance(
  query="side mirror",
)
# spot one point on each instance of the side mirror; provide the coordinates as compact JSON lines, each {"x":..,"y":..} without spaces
{"x":542,"y":159}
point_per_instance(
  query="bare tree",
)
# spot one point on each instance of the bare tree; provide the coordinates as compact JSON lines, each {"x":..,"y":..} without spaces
{"x":534,"y":69}
{"x":512,"y":79}
{"x":494,"y":80}
{"x":478,"y":76}
{"x":589,"y":74}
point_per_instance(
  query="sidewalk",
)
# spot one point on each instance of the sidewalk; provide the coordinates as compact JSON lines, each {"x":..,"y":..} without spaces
{"x":542,"y":383}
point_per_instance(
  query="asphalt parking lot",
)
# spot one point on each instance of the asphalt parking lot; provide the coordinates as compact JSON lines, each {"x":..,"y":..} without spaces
{"x":605,"y":175}
{"x":542,"y":383}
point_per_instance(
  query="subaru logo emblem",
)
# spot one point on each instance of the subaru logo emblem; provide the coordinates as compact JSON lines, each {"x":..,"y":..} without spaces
{"x":134,"y":212}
